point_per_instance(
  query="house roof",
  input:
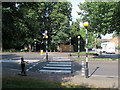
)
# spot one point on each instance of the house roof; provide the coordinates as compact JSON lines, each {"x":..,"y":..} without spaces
{"x":105,"y":40}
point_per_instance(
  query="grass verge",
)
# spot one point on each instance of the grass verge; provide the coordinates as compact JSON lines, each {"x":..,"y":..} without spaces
{"x":107,"y":59}
{"x":83,"y":53}
{"x":23,"y":82}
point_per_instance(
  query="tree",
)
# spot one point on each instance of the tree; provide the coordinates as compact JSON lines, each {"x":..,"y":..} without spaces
{"x":101,"y":16}
{"x":23,"y":22}
{"x":62,"y":36}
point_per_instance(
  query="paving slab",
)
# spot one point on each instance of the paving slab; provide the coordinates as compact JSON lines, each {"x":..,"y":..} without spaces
{"x":95,"y":81}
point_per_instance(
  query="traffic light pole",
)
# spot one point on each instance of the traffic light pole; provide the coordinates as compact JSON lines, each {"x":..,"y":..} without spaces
{"x":46,"y":50}
{"x":86,"y":69}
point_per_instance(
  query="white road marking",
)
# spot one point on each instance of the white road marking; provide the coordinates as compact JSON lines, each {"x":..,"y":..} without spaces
{"x":34,"y":65}
{"x":30,"y":61}
{"x":56,"y":71}
{"x":105,"y":76}
{"x":61,"y":62}
{"x":57,"y":67}
{"x":27,"y":69}
{"x":30,"y":67}
{"x":15,"y":69}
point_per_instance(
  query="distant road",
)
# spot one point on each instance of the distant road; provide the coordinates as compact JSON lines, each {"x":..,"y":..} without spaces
{"x":106,"y":55}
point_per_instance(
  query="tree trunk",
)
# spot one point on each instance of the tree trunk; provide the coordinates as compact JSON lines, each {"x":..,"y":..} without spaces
{"x":29,"y":46}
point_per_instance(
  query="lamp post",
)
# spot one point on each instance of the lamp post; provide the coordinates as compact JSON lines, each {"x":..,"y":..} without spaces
{"x":70,"y":45}
{"x":86,"y":24}
{"x":78,"y":46}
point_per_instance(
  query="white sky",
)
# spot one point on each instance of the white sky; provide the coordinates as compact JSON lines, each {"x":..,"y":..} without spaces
{"x":75,"y":15}
{"x":75,"y":8}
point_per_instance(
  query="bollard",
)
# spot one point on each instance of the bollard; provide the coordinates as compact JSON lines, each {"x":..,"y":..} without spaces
{"x":41,"y":52}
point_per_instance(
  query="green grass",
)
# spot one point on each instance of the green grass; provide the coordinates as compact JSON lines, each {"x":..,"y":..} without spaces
{"x":107,"y":59}
{"x":83,"y":53}
{"x":22,"y":82}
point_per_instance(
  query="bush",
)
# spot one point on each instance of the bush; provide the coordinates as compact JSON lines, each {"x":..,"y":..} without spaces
{"x":118,"y":47}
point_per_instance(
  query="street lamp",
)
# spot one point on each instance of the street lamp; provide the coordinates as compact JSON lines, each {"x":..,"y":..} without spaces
{"x":86,"y":24}
{"x":78,"y":46}
{"x":70,"y":45}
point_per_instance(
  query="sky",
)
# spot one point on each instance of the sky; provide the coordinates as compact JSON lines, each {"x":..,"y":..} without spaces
{"x":75,"y":8}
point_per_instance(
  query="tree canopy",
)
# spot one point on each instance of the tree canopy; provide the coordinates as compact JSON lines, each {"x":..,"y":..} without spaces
{"x":102,"y":16}
{"x":24,"y":21}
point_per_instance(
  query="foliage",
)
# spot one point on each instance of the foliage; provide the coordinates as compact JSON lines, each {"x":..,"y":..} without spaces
{"x":24,"y":21}
{"x":62,"y":36}
{"x":115,"y":34}
{"x":103,"y":17}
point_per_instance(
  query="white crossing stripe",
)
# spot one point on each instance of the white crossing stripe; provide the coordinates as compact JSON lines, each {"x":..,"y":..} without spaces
{"x":61,"y":62}
{"x":67,"y":65}
{"x":57,"y":67}
{"x":27,"y":69}
{"x":34,"y":65}
{"x":30,"y":67}
{"x":57,"y":71}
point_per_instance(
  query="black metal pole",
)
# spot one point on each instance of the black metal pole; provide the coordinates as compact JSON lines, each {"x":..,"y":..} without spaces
{"x":86,"y":70}
{"x":70,"y":47}
{"x":46,"y":50}
{"x":35,"y":46}
{"x":78,"y":47}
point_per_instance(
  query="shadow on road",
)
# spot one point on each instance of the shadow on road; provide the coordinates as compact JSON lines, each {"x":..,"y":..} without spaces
{"x":10,"y":56}
{"x":77,"y":67}
{"x":94,"y":71}
{"x":108,"y":56}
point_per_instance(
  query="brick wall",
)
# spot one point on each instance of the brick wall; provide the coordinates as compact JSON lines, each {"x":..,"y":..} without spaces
{"x":117,"y":41}
{"x":66,"y":48}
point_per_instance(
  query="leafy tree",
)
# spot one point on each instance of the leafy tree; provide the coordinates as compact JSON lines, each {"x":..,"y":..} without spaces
{"x":101,"y":16}
{"x":115,"y":34}
{"x":24,"y":22}
{"x":62,"y":36}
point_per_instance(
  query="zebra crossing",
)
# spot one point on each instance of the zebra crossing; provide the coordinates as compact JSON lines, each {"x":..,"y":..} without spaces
{"x":59,"y":65}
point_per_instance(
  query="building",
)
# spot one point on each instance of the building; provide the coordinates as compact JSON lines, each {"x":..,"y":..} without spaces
{"x":116,"y":40}
{"x":65,"y":48}
{"x":104,"y":40}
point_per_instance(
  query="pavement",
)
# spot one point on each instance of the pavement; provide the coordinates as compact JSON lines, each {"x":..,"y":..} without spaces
{"x":95,"y":81}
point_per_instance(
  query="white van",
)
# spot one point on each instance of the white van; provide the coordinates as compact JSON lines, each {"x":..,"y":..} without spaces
{"x":108,"y":47}
{"x":103,"y":45}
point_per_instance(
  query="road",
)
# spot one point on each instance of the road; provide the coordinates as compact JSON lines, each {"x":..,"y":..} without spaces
{"x":100,"y":68}
{"x":106,"y":55}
